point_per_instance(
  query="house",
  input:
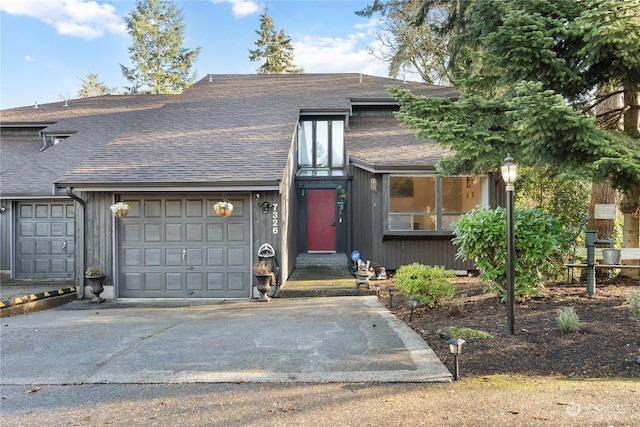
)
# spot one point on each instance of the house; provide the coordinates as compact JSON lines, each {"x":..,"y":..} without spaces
{"x":311,"y":163}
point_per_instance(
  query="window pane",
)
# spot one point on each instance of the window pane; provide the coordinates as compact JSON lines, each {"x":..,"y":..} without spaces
{"x":305,"y":144}
{"x":452,"y":189}
{"x":461,"y":195}
{"x":337,"y":143}
{"x":412,"y":194}
{"x":322,"y":144}
{"x":413,"y":203}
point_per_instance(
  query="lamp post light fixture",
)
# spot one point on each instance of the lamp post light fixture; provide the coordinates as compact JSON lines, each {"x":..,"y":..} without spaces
{"x":414,"y":304}
{"x":455,"y":347}
{"x":509,"y":174}
{"x":391,"y":291}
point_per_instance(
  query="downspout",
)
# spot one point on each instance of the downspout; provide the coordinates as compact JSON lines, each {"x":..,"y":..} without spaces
{"x":80,"y":242}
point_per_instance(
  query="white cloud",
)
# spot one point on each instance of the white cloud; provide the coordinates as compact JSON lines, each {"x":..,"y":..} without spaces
{"x":29,"y":58}
{"x":336,"y":55}
{"x":77,"y":18}
{"x":241,"y":8}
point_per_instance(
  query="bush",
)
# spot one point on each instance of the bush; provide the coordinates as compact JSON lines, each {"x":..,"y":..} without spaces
{"x":540,"y":246}
{"x":634,"y":305}
{"x":568,"y":320}
{"x":429,"y":284}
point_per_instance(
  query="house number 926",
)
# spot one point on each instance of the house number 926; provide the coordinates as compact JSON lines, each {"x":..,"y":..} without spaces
{"x":275,"y":226}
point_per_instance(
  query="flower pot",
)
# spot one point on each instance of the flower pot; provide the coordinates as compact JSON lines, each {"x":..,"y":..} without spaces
{"x":611,"y":256}
{"x":223,"y":208}
{"x":264,"y":285}
{"x":121,"y":213}
{"x":96,"y":287}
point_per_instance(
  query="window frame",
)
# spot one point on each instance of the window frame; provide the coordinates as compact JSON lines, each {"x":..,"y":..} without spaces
{"x":438,"y":212}
{"x":314,"y":169}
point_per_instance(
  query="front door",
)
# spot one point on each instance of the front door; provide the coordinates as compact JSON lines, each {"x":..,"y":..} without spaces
{"x":321,"y":228}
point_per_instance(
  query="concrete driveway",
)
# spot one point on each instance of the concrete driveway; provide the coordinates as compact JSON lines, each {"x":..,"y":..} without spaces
{"x":343,"y":339}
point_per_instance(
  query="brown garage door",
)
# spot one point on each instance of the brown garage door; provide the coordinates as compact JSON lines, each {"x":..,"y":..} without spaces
{"x":177,"y":247}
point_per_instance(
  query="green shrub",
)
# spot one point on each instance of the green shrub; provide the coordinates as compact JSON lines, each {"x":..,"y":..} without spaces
{"x":429,"y":284}
{"x":634,"y":305}
{"x":568,"y":320}
{"x":540,"y":246}
{"x":466,"y":334}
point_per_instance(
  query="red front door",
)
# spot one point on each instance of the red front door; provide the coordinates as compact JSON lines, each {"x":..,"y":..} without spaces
{"x":321,"y":220}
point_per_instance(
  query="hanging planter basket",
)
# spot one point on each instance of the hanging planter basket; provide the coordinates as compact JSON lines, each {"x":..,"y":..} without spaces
{"x":120,"y":209}
{"x":223,"y":208}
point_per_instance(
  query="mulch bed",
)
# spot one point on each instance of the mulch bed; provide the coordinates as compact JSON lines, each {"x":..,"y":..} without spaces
{"x":605,"y":346}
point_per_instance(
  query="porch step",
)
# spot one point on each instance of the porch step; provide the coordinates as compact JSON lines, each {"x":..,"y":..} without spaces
{"x":322,"y":275}
{"x":328,"y":260}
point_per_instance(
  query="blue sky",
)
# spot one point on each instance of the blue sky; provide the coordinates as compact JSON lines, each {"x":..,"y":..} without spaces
{"x":47,"y":46}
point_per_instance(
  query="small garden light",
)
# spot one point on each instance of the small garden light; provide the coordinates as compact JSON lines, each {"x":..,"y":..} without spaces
{"x":391,"y":291}
{"x":414,"y":304}
{"x":378,"y":289}
{"x":455,"y":347}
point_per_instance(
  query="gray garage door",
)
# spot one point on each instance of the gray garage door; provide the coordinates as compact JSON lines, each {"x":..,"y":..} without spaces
{"x":44,"y":240}
{"x":177,"y":247}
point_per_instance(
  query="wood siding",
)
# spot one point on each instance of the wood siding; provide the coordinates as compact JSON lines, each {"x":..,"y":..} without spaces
{"x":368,"y":237}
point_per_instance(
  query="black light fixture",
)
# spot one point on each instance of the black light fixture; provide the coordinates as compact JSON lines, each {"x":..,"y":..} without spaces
{"x":2,"y":209}
{"x":509,"y":174}
{"x":265,"y":206}
{"x":391,"y":291}
{"x":455,"y":347}
{"x":303,"y":191}
{"x":414,"y":304}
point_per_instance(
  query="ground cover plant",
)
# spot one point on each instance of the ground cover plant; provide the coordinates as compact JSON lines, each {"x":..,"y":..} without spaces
{"x":606,"y":344}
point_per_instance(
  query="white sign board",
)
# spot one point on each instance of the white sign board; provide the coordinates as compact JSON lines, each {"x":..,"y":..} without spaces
{"x":602,"y":211}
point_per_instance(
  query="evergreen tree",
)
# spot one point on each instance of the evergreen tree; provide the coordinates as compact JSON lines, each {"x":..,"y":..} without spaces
{"x":161,"y":64}
{"x":274,"y":49}
{"x":92,"y":86}
{"x":407,"y":45}
{"x":422,"y":35}
{"x":540,"y":71}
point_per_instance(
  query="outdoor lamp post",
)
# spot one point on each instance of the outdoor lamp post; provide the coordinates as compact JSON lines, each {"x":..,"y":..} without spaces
{"x":509,"y":174}
{"x":378,"y":289}
{"x":414,"y":304}
{"x":455,"y":347}
{"x":391,"y":291}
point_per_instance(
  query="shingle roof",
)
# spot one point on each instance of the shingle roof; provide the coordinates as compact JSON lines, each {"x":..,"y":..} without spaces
{"x":381,"y":143}
{"x":229,"y":129}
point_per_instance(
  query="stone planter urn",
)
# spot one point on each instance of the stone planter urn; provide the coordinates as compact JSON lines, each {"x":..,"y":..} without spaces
{"x":95,"y":278}
{"x":264,"y":285}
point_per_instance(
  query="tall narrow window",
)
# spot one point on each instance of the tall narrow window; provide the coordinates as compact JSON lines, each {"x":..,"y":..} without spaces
{"x":321,"y":148}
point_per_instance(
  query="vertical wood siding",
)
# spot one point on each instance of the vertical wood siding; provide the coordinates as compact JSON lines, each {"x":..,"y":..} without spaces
{"x":98,"y":233}
{"x":368,"y":237}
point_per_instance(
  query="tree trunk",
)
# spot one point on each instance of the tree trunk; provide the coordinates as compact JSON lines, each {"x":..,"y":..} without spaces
{"x":602,"y":193}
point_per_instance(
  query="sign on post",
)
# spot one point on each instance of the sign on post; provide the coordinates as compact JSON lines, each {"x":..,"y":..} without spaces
{"x":604,"y":211}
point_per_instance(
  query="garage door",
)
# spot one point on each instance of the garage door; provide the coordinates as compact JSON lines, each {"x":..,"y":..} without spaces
{"x":177,"y":247}
{"x":44,"y":240}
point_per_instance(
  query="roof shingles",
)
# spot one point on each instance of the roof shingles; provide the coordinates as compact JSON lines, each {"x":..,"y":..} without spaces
{"x":224,"y":128}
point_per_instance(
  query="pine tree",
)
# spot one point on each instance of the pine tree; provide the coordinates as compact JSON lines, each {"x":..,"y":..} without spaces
{"x":161,"y":64}
{"x":274,"y":48}
{"x":92,"y":86}
{"x":538,"y":88}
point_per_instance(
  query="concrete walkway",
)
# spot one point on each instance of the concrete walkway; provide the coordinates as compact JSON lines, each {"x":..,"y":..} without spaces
{"x":342,"y":339}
